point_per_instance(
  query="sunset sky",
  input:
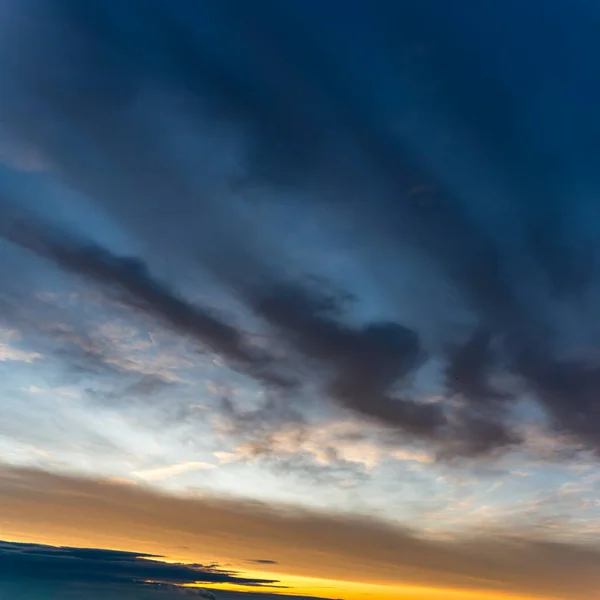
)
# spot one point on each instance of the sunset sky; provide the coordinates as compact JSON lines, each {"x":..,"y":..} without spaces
{"x":299,"y":297}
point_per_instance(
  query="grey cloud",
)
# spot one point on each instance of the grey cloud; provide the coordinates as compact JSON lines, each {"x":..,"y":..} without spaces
{"x":365,"y":363}
{"x":306,"y":125}
{"x":141,"y":291}
{"x":361,"y":367}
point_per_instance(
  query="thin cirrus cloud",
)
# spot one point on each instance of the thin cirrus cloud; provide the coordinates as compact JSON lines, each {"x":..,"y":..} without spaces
{"x":160,"y":473}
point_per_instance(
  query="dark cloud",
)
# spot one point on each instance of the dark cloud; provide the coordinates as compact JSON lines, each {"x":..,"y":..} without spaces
{"x":91,"y":565}
{"x":362,"y":366}
{"x":141,"y":291}
{"x":417,"y":136}
{"x":365,"y":363}
{"x":262,"y":561}
{"x":27,"y":569}
{"x":146,"y":385}
{"x":468,"y":369}
{"x":269,"y":415}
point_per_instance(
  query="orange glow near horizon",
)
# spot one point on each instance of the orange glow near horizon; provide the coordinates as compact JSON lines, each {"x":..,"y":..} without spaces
{"x":317,"y":555}
{"x":351,"y":590}
{"x":329,"y":589}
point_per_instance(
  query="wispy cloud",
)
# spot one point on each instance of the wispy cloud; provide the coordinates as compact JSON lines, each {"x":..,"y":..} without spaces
{"x":8,"y":353}
{"x":160,"y":473}
{"x":523,"y":565}
{"x":360,"y":249}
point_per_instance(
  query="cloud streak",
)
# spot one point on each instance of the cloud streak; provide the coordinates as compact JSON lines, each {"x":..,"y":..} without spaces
{"x":110,"y":96}
{"x":350,"y":546}
{"x":141,"y":291}
{"x":361,"y":366}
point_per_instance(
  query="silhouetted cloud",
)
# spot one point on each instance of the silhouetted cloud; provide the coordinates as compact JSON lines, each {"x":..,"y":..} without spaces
{"x":91,"y":565}
{"x":526,"y":562}
{"x":27,"y":569}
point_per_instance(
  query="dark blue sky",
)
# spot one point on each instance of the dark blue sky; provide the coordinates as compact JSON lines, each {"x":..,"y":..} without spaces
{"x":233,"y":227}
{"x":252,"y":144}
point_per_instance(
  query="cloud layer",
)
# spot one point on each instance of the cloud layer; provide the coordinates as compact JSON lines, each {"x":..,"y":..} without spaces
{"x":348,"y":546}
{"x":226,"y":228}
{"x":131,"y":129}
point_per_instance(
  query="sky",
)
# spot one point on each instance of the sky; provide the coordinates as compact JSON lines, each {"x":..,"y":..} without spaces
{"x":299,"y":298}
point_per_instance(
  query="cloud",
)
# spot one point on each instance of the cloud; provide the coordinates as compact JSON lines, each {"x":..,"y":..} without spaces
{"x":143,"y":292}
{"x":22,"y":159}
{"x":181,"y":138}
{"x":8,"y":353}
{"x":347,"y":446}
{"x":93,"y":572}
{"x":160,"y":473}
{"x":83,"y":565}
{"x":361,"y":367}
{"x":351,"y":547}
{"x":365,"y":363}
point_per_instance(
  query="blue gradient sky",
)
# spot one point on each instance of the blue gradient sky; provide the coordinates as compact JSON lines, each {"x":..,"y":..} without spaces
{"x":336,"y":256}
